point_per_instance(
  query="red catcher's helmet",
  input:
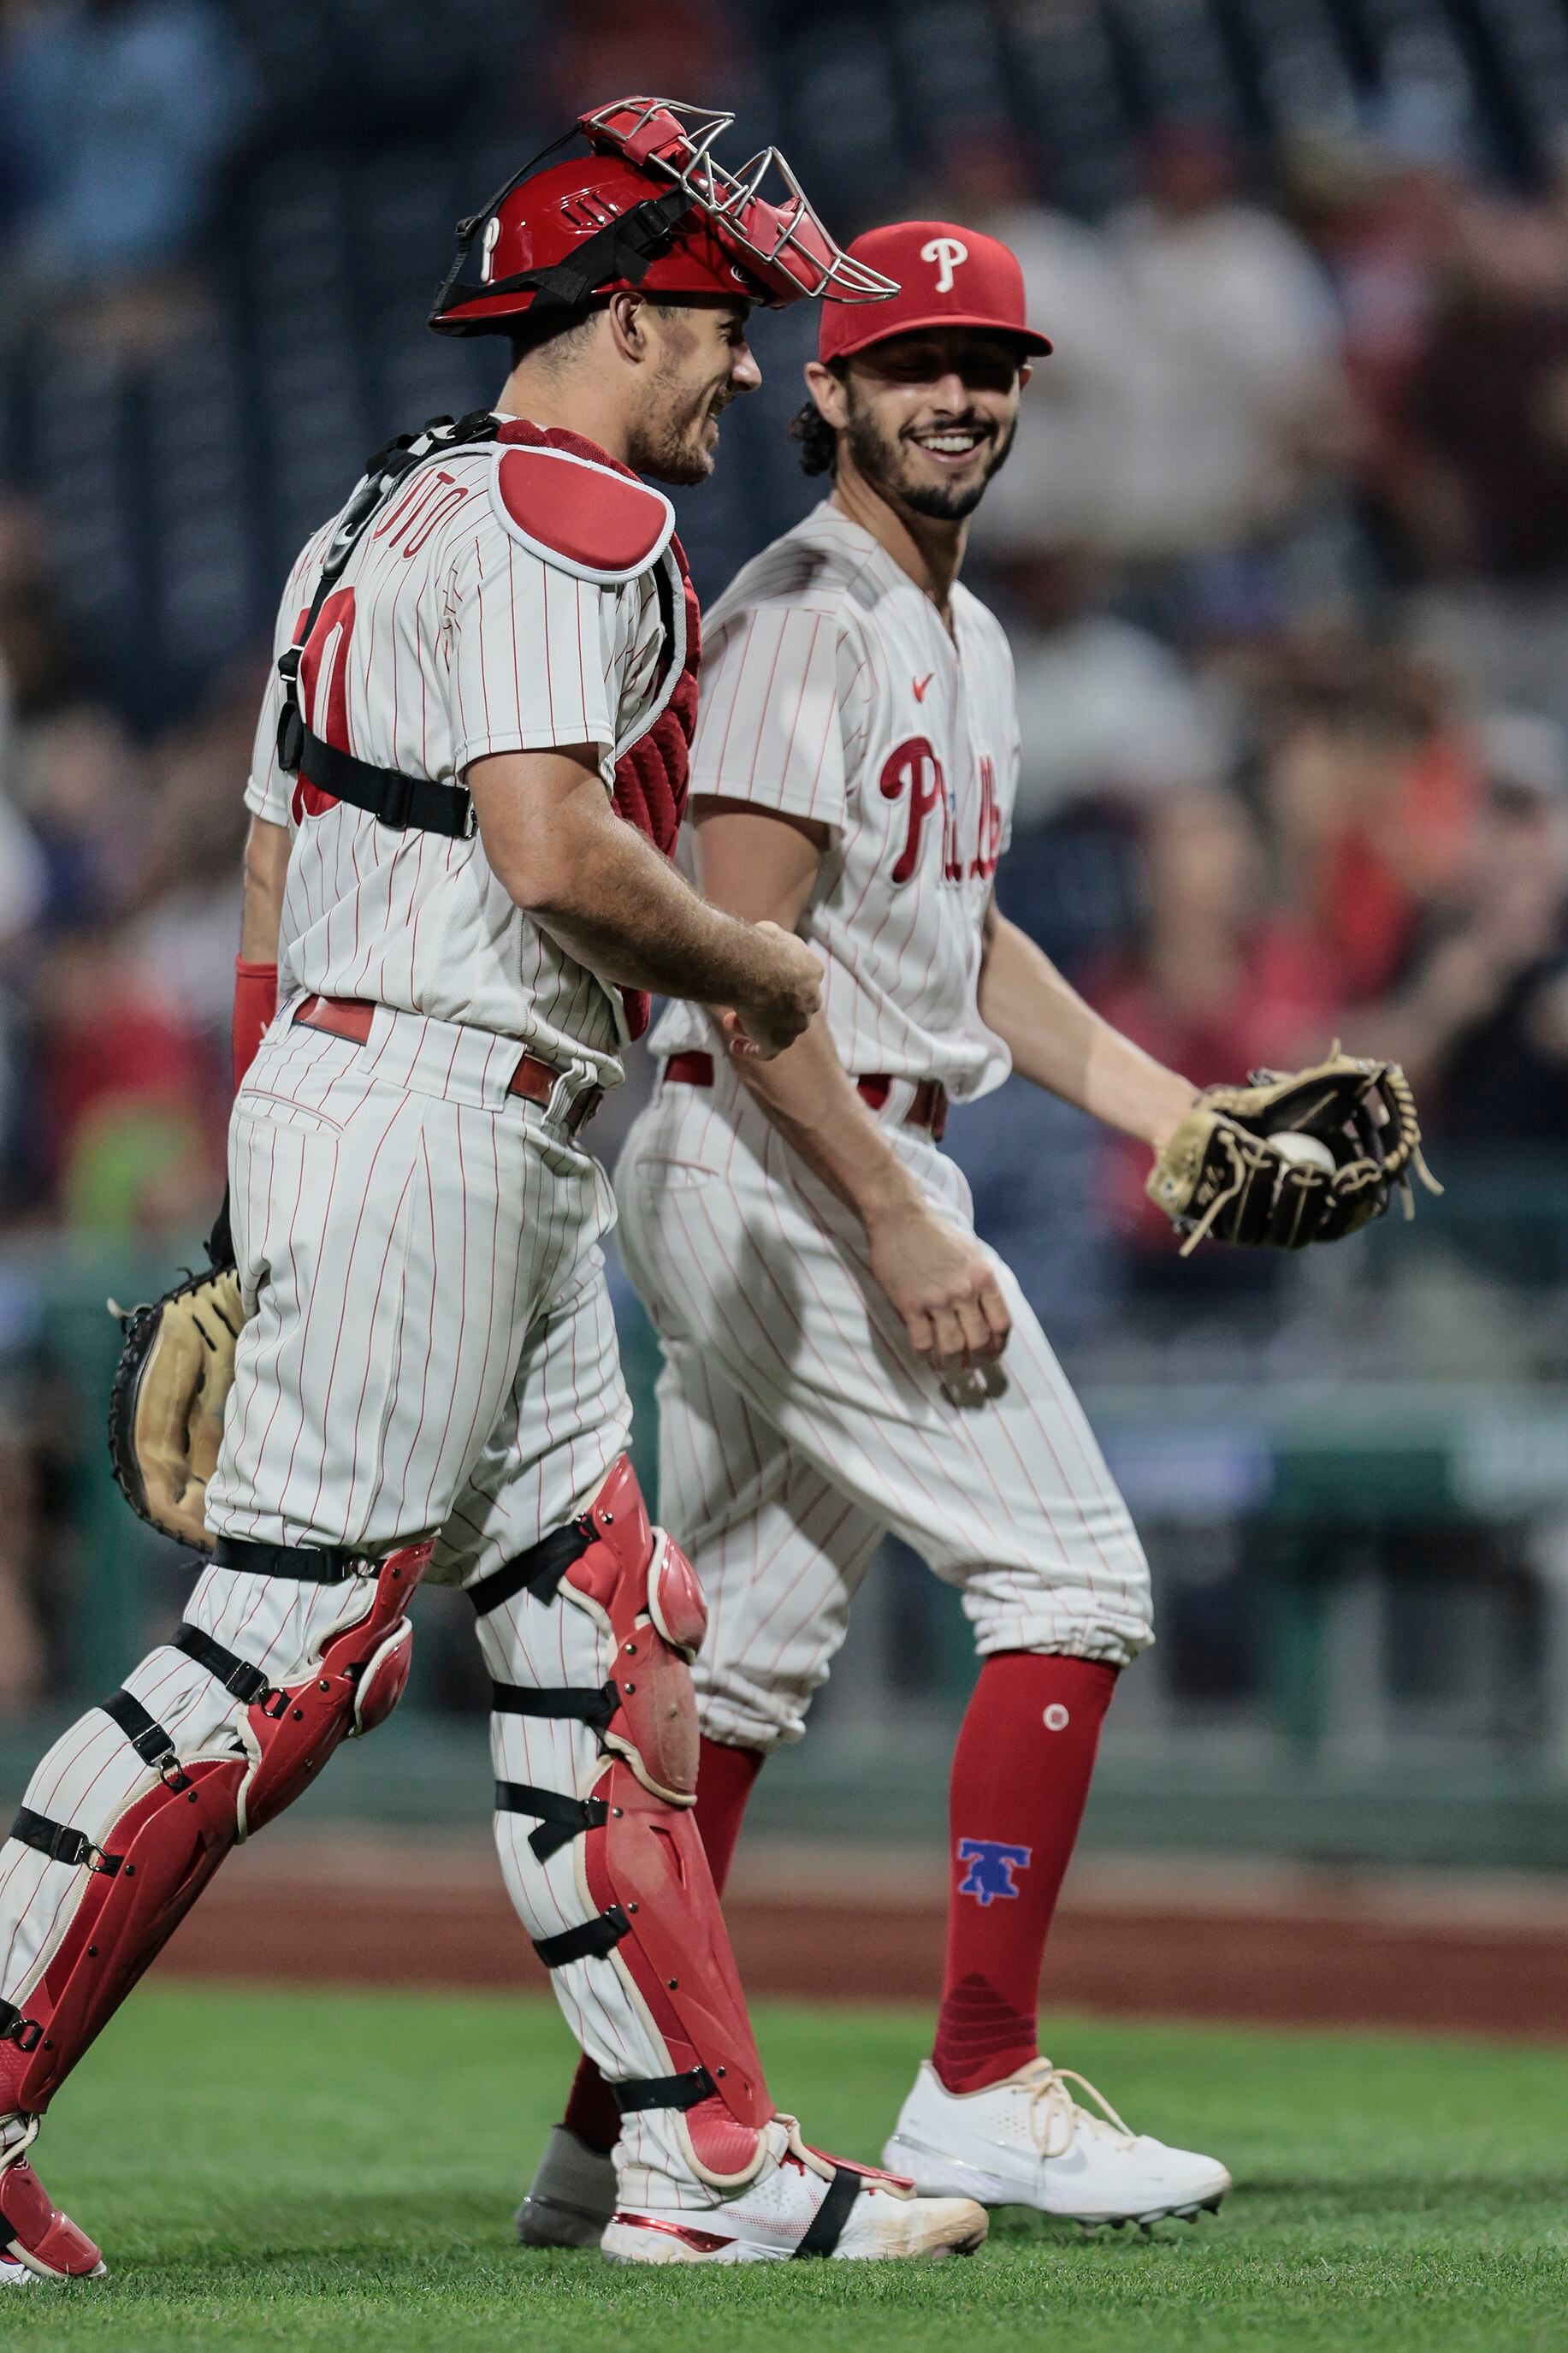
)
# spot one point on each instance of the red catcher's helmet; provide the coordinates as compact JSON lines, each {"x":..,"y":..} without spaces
{"x":649,"y":210}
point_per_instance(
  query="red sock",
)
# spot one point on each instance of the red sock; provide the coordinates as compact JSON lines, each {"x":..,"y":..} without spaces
{"x":1020,"y":1776}
{"x":724,"y":1779}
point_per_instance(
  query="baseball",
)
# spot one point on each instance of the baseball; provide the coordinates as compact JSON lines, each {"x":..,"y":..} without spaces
{"x":1306,"y":1151}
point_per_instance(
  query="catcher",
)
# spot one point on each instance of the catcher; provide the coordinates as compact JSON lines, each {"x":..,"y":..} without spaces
{"x":470,"y":773}
{"x":843,"y":1355}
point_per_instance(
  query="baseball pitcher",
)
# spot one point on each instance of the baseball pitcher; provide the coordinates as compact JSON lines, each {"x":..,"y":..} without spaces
{"x":842,"y":1356}
{"x":470,"y":772}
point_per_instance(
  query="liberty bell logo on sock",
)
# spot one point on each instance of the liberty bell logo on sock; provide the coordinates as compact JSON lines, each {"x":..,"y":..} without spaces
{"x":991,"y":1868}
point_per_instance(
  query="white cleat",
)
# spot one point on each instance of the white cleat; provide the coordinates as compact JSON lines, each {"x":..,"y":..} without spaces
{"x":15,"y":2274}
{"x":801,"y":2203}
{"x":1027,"y":2141}
{"x":572,"y":2196}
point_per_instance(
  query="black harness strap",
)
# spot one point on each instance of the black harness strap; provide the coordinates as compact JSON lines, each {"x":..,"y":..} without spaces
{"x":247,"y":1683}
{"x":539,"y":1570}
{"x":307,"y":1564}
{"x":387,"y":794}
{"x":827,"y":2222}
{"x":590,"y":1942}
{"x":665,"y":2090}
{"x":152,"y":1743}
{"x":622,"y":249}
{"x":62,"y":1843}
{"x":27,"y":2033}
{"x":590,"y":1704}
{"x":561,"y":1818}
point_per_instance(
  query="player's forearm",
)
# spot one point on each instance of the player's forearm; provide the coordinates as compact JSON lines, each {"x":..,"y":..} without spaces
{"x":601,"y":891}
{"x":266,"y":873}
{"x":813,"y":1101}
{"x":631,"y":918}
{"x":1064,"y":1045}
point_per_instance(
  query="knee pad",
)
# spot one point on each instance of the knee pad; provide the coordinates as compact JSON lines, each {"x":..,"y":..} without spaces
{"x":639,"y":1586}
{"x":141,"y":1876}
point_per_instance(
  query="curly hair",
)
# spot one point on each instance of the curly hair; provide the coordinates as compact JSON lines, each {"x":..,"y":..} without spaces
{"x":818,"y":442}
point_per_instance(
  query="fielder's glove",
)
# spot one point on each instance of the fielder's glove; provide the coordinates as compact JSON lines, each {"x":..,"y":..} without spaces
{"x":1218,"y":1175}
{"x":171,"y":1383}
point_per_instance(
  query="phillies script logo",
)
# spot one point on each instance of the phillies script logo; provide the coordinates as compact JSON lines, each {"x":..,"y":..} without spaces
{"x":911,"y":768}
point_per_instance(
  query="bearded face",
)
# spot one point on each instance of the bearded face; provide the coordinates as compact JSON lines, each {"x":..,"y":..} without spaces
{"x":932,"y":415}
{"x":702,"y":361}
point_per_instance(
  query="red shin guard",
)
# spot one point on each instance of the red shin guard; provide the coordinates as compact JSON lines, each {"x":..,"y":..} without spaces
{"x":725,"y":1778}
{"x":139,"y":1880}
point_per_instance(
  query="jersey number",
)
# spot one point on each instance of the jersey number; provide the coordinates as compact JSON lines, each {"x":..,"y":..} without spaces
{"x":326,"y":650}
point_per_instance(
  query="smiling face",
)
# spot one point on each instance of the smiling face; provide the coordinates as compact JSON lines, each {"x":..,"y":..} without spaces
{"x":701,"y":360}
{"x":929,"y":417}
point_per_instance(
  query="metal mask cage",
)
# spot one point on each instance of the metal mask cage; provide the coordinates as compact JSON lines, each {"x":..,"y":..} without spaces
{"x":781,"y":231}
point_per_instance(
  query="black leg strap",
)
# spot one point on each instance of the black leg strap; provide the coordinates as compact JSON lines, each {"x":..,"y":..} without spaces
{"x":590,"y":1942}
{"x":561,"y":1818}
{"x":147,"y":1736}
{"x":307,"y":1564}
{"x":827,"y":2222}
{"x":593,"y":1704}
{"x":539,"y":1570}
{"x":665,"y":2090}
{"x":27,"y":2033}
{"x":236,"y":1674}
{"x":62,"y":1843}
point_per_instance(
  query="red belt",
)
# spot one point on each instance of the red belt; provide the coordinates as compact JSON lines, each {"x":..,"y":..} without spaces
{"x":535,"y":1082}
{"x":928,"y":1109}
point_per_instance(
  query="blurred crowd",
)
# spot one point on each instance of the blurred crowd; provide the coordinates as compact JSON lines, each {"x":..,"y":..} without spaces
{"x":1282,"y":549}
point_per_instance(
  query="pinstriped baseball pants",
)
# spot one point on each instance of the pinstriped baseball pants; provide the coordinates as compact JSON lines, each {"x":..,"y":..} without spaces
{"x":797,"y":1427}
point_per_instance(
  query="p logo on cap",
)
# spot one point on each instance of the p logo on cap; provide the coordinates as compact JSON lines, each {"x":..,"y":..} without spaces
{"x":947,"y":252}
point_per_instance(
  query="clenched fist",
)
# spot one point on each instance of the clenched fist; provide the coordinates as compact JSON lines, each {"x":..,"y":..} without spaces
{"x":781,"y":997}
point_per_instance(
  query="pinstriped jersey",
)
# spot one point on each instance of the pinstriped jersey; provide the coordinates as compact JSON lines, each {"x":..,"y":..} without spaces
{"x":831,"y":690}
{"x":448,"y":637}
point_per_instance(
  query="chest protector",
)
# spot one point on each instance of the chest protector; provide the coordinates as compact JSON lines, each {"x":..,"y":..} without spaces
{"x":652,"y":772}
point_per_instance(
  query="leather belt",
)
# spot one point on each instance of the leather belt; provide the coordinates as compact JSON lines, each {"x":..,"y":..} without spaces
{"x":534,"y":1080}
{"x":928,"y":1109}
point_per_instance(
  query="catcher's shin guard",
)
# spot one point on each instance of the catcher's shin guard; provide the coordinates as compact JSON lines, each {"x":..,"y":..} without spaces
{"x":136,"y":1870}
{"x":618,"y":1853}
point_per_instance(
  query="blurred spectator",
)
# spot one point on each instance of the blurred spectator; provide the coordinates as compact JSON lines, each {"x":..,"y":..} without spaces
{"x":117,"y":115}
{"x":81,"y":783}
{"x":1480,"y":1017}
{"x":1215,"y":983}
{"x":1104,"y":708}
{"x":129,"y":1116}
{"x":1484,"y":491}
{"x":683,"y":47}
{"x":1239,"y":396}
{"x":1370,"y":794}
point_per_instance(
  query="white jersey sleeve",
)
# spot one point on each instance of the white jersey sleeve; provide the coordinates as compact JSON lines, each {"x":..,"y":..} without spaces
{"x":784,"y":715}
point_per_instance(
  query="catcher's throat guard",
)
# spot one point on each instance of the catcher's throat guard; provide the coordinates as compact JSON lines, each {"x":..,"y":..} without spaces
{"x":135,"y":1883}
{"x":638,"y":1860}
{"x":649,"y":208}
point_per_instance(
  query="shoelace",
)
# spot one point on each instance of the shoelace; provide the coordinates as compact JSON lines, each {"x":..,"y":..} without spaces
{"x":1053,"y":2109}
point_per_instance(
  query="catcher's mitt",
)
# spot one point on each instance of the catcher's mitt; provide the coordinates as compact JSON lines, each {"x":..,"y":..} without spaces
{"x":1218,"y":1175}
{"x":165,"y":1409}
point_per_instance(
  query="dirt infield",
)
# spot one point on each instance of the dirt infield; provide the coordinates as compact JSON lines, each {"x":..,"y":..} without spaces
{"x":1136,"y":1940}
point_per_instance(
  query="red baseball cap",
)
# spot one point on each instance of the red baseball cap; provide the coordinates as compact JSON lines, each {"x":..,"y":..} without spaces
{"x":947,"y":277}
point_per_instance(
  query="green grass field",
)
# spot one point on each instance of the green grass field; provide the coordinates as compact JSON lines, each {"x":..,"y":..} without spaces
{"x":300,"y":2170}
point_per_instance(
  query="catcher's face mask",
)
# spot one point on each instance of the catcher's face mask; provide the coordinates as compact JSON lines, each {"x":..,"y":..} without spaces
{"x":649,"y":208}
